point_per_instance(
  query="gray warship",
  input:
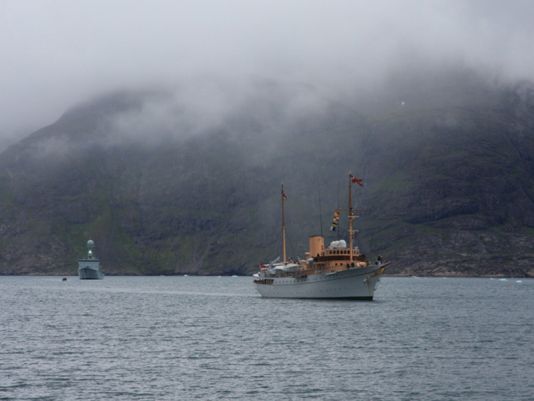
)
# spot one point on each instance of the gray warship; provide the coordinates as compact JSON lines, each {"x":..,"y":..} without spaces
{"x":89,"y":267}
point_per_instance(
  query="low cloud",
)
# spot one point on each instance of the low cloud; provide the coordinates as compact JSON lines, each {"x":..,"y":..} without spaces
{"x":56,"y":53}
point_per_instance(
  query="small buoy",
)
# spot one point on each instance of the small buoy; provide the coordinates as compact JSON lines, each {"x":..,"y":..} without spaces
{"x":64,"y":279}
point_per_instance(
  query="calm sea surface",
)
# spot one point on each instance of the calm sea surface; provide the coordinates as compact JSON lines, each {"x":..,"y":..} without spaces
{"x":212,"y":338}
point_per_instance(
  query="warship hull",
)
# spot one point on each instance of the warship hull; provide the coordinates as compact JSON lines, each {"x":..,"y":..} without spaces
{"x":350,"y":284}
{"x":89,"y":269}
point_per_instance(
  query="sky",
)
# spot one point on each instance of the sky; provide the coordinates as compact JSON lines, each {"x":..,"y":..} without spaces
{"x":57,"y":53}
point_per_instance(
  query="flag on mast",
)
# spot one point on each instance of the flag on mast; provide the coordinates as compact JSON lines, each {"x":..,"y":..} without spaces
{"x":335,"y":220}
{"x":356,"y":180}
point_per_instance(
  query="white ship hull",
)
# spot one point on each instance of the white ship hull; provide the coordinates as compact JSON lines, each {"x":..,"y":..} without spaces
{"x":89,"y":269}
{"x":354,"y":283}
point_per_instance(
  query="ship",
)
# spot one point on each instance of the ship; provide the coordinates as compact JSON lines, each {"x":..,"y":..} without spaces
{"x":89,"y":267}
{"x":338,"y":271}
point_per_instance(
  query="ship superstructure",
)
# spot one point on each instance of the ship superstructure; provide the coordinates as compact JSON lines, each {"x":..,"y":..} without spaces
{"x":89,"y":267}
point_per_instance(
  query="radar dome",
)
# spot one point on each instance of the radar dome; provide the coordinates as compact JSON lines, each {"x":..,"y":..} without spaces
{"x":90,"y":244}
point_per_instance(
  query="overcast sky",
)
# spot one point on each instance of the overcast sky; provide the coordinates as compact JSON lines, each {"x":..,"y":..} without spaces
{"x":55,"y":53}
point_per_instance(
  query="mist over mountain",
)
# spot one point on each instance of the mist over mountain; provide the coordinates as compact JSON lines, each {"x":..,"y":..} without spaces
{"x":186,"y":178}
{"x":58,"y":53}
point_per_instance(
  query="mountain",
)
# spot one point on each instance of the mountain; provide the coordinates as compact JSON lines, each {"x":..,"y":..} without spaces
{"x":447,"y":160}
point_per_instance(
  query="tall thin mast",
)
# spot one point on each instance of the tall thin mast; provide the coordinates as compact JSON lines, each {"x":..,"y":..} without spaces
{"x":338,"y":231}
{"x":350,"y":217}
{"x":320,"y":215}
{"x":283,"y":199}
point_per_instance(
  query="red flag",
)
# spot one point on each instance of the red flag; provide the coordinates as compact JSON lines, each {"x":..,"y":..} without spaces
{"x":356,"y":180}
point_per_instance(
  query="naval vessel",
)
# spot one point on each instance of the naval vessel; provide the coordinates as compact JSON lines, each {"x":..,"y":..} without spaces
{"x":89,"y":267}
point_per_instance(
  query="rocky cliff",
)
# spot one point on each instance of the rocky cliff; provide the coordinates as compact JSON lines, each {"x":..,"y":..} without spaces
{"x":447,"y":162}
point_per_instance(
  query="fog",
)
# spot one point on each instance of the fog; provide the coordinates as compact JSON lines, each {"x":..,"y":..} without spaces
{"x":55,"y":54}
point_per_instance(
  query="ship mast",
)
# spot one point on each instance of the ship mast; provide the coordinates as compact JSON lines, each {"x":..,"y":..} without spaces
{"x":283,"y":198}
{"x":350,"y":218}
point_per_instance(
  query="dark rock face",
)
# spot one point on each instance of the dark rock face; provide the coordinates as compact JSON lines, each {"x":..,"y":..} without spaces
{"x":448,"y":168}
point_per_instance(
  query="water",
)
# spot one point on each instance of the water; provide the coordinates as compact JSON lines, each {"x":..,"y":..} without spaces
{"x":212,"y":338}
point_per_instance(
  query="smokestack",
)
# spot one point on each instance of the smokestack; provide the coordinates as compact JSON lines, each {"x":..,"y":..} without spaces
{"x":316,"y":244}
